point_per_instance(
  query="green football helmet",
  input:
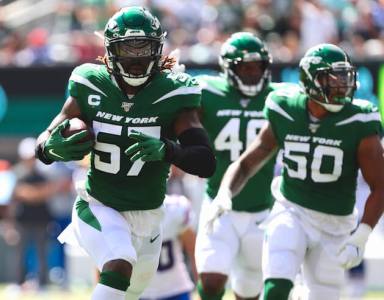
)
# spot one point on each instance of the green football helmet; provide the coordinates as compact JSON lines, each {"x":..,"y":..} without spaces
{"x":245,"y":62}
{"x":133,"y":40}
{"x":327,"y":76}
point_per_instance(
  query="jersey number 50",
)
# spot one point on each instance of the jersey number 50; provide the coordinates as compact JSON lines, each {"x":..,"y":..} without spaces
{"x":320,"y":151}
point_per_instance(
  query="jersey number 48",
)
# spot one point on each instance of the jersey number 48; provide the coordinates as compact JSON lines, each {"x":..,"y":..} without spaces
{"x":229,"y":137}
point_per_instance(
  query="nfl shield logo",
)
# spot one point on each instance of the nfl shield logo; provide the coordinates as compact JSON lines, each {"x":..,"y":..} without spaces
{"x":244,"y":102}
{"x":126,"y":106}
{"x":313,"y":127}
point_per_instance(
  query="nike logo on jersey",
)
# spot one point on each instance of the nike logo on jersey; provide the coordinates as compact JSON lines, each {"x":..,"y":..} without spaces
{"x":154,"y":238}
{"x":50,"y":151}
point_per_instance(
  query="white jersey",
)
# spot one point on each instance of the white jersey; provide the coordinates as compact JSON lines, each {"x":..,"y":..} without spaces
{"x":172,"y":277}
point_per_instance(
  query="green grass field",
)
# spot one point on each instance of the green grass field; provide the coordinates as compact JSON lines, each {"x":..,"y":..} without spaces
{"x":7,"y":293}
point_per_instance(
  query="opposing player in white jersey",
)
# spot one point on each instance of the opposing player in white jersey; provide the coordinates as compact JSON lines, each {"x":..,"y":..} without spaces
{"x":172,"y":280}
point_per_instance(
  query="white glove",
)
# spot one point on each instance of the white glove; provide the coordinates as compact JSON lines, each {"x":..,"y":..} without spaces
{"x":352,"y":252}
{"x":177,"y":67}
{"x":221,"y":204}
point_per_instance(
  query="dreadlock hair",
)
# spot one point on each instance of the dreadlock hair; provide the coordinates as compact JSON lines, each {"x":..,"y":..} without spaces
{"x":167,"y":63}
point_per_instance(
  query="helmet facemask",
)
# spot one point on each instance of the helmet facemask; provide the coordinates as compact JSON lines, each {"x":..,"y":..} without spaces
{"x":133,"y":40}
{"x":336,"y":85}
{"x":249,"y":76}
{"x":245,"y":62}
{"x":135,"y":59}
{"x":328,"y":76}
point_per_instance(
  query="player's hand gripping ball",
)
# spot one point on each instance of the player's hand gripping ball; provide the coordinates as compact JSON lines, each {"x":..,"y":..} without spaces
{"x":71,"y":140}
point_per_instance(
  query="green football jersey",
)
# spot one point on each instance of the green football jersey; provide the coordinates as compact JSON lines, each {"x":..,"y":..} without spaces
{"x":113,"y":179}
{"x":232,"y":122}
{"x":320,"y":156}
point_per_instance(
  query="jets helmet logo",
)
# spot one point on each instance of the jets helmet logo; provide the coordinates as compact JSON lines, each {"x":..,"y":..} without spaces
{"x":306,"y":63}
{"x":113,"y":26}
{"x":155,"y":23}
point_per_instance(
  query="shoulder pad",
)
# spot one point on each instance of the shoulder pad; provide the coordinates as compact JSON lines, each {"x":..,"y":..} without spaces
{"x":365,"y":105}
{"x":213,"y":84}
{"x":181,"y":79}
{"x":282,"y":94}
{"x":285,"y":85}
{"x":87,"y":75}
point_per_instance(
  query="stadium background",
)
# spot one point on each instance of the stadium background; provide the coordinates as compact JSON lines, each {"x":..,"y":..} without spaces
{"x":42,"y":40}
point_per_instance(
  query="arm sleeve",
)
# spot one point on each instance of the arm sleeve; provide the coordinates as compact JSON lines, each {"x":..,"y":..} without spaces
{"x":193,"y":154}
{"x":268,"y":115}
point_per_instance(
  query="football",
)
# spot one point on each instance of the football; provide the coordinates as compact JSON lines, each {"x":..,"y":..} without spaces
{"x":76,"y":125}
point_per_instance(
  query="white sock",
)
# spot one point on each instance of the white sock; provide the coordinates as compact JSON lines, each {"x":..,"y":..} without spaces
{"x":103,"y":292}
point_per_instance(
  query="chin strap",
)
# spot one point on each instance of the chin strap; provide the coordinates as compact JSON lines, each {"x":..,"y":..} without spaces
{"x":250,"y":90}
{"x":135,"y":81}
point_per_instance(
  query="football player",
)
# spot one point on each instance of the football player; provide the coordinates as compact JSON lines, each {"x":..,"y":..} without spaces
{"x":232,"y":114}
{"x":137,"y":109}
{"x":327,"y":136}
{"x":172,"y":280}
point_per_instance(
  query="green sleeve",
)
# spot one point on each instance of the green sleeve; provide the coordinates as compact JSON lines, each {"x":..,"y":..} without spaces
{"x":72,"y":89}
{"x":188,"y":83}
{"x":270,"y":115}
{"x":374,"y":125}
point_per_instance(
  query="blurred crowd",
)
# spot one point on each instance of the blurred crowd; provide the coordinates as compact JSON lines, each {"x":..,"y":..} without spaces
{"x":50,"y":32}
{"x":35,"y":206}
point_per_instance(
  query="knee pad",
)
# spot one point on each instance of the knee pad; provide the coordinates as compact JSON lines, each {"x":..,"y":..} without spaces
{"x":142,"y":273}
{"x":247,"y":284}
{"x":281,"y":264}
{"x":284,"y":247}
{"x":322,"y":269}
{"x":114,"y":280}
{"x":277,"y":289}
{"x":251,"y":249}
{"x":284,"y":233}
{"x":214,"y":255}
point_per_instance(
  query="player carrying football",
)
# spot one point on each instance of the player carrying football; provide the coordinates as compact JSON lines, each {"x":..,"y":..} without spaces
{"x":137,"y":108}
